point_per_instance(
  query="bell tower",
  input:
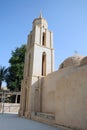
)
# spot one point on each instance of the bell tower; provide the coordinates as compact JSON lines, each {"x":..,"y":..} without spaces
{"x":39,"y":61}
{"x":40,"y":48}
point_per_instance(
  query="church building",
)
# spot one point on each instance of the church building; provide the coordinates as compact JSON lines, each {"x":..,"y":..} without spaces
{"x":53,"y":97}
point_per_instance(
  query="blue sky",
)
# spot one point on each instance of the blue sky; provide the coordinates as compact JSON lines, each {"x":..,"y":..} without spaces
{"x":67,"y":19}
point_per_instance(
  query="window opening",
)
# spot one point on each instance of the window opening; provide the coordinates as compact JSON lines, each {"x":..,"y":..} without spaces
{"x":44,"y":64}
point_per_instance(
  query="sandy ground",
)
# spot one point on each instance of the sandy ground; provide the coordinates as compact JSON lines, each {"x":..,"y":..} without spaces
{"x":13,"y":122}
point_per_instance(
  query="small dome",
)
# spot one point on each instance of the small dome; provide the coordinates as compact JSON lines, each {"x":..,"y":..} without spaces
{"x":71,"y":61}
{"x":40,"y":21}
{"x":83,"y":61}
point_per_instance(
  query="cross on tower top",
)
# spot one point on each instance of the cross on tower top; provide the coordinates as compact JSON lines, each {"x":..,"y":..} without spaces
{"x":40,"y":15}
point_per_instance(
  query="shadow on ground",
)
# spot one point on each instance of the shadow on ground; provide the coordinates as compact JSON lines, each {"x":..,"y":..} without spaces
{"x":13,"y":122}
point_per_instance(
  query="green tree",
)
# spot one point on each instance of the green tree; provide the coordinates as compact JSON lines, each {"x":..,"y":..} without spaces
{"x":15,"y":71}
{"x":3,"y":72}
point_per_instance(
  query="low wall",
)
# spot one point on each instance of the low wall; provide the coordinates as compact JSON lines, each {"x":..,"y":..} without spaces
{"x":9,"y":107}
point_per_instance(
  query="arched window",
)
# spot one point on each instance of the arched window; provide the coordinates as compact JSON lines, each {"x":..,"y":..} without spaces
{"x":44,"y":39}
{"x":44,"y":64}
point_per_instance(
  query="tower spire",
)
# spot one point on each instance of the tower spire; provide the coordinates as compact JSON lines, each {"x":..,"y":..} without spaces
{"x":40,"y":15}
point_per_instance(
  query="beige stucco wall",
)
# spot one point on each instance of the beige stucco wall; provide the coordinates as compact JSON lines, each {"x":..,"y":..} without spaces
{"x":48,"y":94}
{"x":65,"y":95}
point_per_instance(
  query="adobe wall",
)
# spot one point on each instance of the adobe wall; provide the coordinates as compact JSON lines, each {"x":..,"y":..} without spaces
{"x":65,"y":95}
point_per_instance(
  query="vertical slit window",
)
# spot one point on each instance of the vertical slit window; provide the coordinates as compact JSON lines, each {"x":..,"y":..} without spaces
{"x":44,"y":64}
{"x":44,"y":39}
{"x":30,"y":40}
{"x":29,"y":61}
